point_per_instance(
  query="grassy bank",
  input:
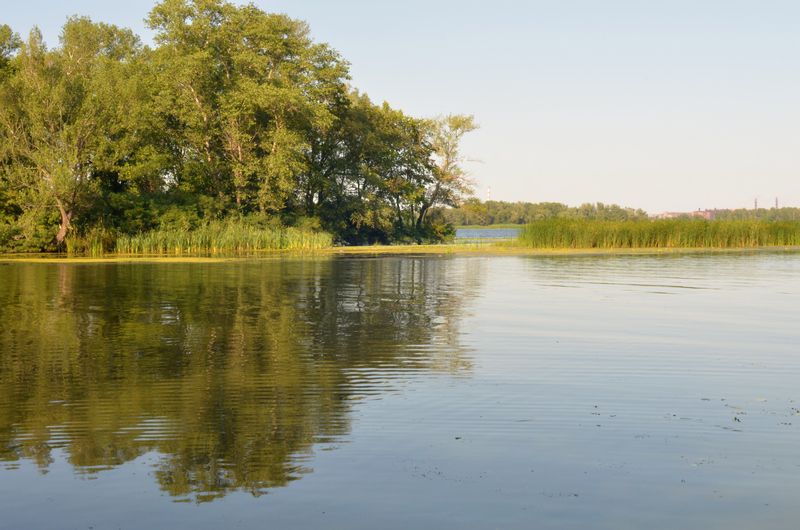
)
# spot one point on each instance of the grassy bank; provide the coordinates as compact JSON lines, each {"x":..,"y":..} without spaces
{"x":222,"y":237}
{"x":668,"y":233}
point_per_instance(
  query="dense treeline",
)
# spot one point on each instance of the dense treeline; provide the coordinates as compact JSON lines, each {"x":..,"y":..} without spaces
{"x":765,"y":214}
{"x":233,"y":113}
{"x":476,"y":212}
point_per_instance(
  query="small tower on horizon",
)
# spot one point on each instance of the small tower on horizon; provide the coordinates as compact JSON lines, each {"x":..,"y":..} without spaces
{"x":488,"y":194}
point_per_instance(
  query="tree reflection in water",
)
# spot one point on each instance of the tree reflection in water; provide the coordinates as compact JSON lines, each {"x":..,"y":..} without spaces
{"x":231,"y":372}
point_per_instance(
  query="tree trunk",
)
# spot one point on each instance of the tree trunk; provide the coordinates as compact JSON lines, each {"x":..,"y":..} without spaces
{"x":65,"y":225}
{"x":427,"y":204}
{"x":423,"y":212}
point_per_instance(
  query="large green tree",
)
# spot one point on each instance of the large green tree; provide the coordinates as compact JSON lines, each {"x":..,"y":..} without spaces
{"x":59,"y":113}
{"x":241,"y":92}
{"x":369,"y":172}
{"x":450,"y":183}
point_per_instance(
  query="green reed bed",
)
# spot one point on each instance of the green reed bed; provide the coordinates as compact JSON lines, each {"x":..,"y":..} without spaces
{"x":668,"y":233}
{"x":92,"y":243}
{"x":222,"y":237}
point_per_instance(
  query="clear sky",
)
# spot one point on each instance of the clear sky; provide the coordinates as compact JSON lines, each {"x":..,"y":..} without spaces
{"x":660,"y":104}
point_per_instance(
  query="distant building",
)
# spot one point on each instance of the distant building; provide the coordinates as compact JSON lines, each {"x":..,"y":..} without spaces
{"x":699,"y":214}
{"x":705,"y":214}
{"x":669,"y":215}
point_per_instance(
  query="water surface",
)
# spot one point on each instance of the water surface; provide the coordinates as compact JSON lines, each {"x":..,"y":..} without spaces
{"x":397,"y":392}
{"x":479,"y":234}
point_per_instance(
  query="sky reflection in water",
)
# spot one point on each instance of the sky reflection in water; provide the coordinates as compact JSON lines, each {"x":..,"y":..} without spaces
{"x":467,"y":392}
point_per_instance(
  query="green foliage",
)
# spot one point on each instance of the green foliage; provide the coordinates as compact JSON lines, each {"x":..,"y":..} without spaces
{"x":235,"y":111}
{"x":437,"y":228}
{"x":671,"y":233}
{"x":7,"y":234}
{"x":9,"y":44}
{"x":450,"y":184}
{"x":241,"y":91}
{"x":59,"y":113}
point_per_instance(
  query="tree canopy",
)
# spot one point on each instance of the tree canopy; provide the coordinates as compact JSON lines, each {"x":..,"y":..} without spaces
{"x":232,"y":112}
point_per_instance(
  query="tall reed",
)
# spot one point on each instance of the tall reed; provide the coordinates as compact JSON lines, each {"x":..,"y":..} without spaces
{"x":95,"y":242}
{"x":222,"y":237}
{"x":666,"y":233}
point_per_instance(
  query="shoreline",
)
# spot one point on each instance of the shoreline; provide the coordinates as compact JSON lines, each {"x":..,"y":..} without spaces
{"x":398,"y":250}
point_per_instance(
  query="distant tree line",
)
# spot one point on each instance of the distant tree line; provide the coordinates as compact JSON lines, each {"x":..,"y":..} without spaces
{"x":475,"y":212}
{"x":765,"y":214}
{"x":233,"y":112}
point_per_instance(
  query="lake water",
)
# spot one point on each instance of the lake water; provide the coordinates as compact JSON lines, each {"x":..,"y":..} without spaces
{"x":477,"y":234}
{"x":402,"y":392}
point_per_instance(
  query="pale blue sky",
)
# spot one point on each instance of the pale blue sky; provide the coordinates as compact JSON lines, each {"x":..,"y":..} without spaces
{"x":664,"y":105}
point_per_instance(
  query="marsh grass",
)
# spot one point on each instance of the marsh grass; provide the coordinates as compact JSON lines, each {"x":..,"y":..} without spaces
{"x":222,"y":237}
{"x":94,"y":243}
{"x":668,"y":233}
